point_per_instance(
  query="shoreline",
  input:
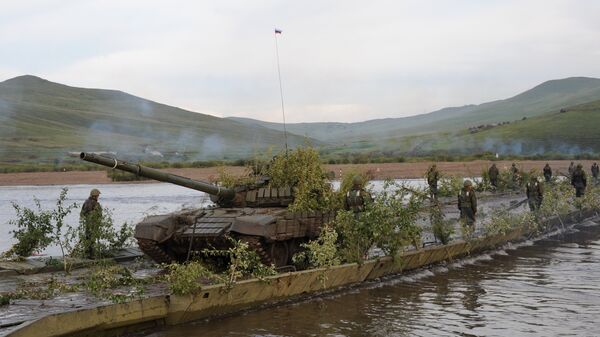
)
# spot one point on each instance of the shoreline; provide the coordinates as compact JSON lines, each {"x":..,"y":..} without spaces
{"x":380,"y":171}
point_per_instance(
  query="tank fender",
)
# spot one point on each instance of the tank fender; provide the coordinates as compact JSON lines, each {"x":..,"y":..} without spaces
{"x":160,"y":228}
{"x":259,"y":224}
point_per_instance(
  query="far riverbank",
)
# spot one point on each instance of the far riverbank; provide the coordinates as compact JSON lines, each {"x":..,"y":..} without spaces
{"x":380,"y":171}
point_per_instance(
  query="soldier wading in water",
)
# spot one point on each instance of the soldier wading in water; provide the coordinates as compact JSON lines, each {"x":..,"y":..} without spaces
{"x":467,"y":204}
{"x":90,"y":217}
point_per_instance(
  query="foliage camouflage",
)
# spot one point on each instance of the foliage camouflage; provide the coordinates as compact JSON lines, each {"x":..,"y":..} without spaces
{"x":321,"y":252}
{"x":388,"y":223}
{"x":302,"y":170}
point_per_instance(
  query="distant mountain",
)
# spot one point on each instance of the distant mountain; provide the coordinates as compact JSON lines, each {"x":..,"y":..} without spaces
{"x":42,"y":121}
{"x":548,"y":97}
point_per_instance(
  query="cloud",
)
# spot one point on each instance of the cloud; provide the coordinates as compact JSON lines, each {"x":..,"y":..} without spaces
{"x":340,"y":61}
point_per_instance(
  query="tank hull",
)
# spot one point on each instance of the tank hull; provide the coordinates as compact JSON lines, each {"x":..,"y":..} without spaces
{"x":274,"y":233}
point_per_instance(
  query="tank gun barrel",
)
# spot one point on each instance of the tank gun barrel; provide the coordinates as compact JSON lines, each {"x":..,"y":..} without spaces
{"x":224,"y":194}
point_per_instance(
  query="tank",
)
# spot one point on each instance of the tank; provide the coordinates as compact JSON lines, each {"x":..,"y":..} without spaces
{"x":256,"y":214}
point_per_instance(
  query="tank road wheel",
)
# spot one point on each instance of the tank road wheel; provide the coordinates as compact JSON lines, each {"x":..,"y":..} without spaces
{"x":255,"y":244}
{"x":157,"y":252}
{"x":279,"y":252}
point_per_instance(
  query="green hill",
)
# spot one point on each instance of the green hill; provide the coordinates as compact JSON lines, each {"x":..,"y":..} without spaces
{"x":40,"y":121}
{"x":548,"y":97}
{"x":568,"y":133}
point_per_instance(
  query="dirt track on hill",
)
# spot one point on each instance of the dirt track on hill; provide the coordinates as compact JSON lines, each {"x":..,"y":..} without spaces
{"x":380,"y":171}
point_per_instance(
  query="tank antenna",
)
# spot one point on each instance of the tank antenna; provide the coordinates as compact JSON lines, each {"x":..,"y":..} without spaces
{"x":278,"y":32}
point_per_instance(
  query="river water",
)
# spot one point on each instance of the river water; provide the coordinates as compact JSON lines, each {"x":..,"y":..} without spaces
{"x":127,"y":202}
{"x":546,"y":288}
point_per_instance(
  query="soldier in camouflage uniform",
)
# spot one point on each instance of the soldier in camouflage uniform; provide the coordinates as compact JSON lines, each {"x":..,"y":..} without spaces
{"x":571,"y":169}
{"x":535,"y":193}
{"x":433,"y":176}
{"x":579,"y":180}
{"x":357,"y":197}
{"x":547,"y":172}
{"x":91,"y":215}
{"x":595,"y":171}
{"x":467,"y":204}
{"x":493,"y":173}
{"x":516,"y":175}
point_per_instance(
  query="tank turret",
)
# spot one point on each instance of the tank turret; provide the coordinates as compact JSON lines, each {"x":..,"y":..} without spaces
{"x":255,"y":213}
{"x":254,"y":195}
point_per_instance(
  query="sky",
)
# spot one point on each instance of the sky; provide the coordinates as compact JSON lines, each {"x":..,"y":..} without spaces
{"x":341,"y":61}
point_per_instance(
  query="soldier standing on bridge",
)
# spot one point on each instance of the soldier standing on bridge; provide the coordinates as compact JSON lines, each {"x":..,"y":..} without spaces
{"x":547,"y":172}
{"x":467,"y":204}
{"x":515,"y":174}
{"x":493,"y":174}
{"x":433,"y":175}
{"x":595,"y":171}
{"x":357,"y":197}
{"x":535,"y":193}
{"x":571,"y":169}
{"x":90,"y":218}
{"x":579,"y":180}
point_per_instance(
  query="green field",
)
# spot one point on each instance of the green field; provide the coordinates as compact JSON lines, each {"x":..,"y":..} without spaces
{"x":41,"y":121}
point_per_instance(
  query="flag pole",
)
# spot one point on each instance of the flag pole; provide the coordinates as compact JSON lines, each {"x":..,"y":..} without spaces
{"x":277,"y":31}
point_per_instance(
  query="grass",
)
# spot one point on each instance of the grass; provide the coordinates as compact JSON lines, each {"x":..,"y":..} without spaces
{"x":41,"y":121}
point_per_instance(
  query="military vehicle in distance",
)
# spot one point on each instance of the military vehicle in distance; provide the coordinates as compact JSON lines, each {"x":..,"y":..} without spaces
{"x":256,"y":214}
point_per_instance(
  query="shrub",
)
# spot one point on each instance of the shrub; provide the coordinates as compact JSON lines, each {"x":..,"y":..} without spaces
{"x":186,"y":278}
{"x":301,"y":170}
{"x":321,"y":252}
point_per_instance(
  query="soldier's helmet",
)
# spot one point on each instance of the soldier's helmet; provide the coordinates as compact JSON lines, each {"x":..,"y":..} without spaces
{"x":94,"y":193}
{"x":579,"y":166}
{"x":513,"y":164}
{"x":468,"y":183}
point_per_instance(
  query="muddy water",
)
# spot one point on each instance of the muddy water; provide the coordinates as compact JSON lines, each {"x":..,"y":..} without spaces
{"x":546,"y":288}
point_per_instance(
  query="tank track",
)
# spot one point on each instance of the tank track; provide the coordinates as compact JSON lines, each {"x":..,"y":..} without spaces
{"x":255,"y":244}
{"x":155,"y":251}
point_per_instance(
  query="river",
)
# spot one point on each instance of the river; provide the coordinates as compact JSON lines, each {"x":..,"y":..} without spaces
{"x":546,"y":288}
{"x":127,"y":202}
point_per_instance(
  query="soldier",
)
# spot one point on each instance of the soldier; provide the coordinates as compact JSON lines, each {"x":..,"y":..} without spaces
{"x":433,"y":175}
{"x":493,"y":174}
{"x":595,"y":171}
{"x":571,"y":169}
{"x":547,"y":172}
{"x":579,"y":180}
{"x":91,"y":215}
{"x":467,"y":204}
{"x":357,"y":197}
{"x":535,"y":193}
{"x":514,"y":171}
